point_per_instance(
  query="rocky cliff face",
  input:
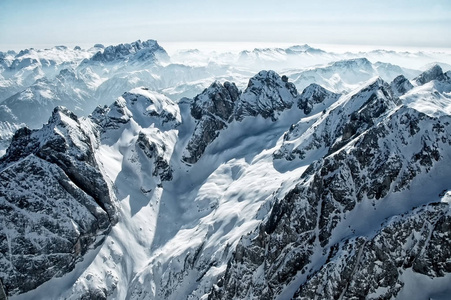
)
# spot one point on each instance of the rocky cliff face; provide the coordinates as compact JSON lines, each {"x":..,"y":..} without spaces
{"x":2,"y":292}
{"x":354,"y":114}
{"x":266,"y":95}
{"x":376,"y":267}
{"x":400,"y":85}
{"x":212,"y":110}
{"x":434,"y":73}
{"x":55,"y":203}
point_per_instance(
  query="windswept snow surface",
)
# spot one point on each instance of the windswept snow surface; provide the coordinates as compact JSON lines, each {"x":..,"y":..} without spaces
{"x":432,"y":98}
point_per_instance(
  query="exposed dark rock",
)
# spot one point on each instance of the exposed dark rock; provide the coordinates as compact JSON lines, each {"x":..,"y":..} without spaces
{"x":400,"y":85}
{"x":139,"y":51}
{"x":212,"y":110}
{"x":155,"y":152}
{"x":266,"y":95}
{"x":146,"y":108}
{"x":340,"y":125}
{"x":303,"y":221}
{"x":434,"y":73}
{"x":362,"y":266}
{"x":2,"y":292}
{"x":315,"y":94}
{"x":217,"y":100}
{"x":54,"y":200}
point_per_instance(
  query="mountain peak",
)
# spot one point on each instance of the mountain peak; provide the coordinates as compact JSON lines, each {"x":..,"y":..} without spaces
{"x":375,"y":82}
{"x":147,"y":108}
{"x":400,"y":85}
{"x":60,"y":114}
{"x":212,"y":109}
{"x":314,"y":94}
{"x":434,"y":73}
{"x":148,"y":50}
{"x":266,"y":94}
{"x":352,"y":63}
{"x":218,"y":99}
{"x":297,"y":49}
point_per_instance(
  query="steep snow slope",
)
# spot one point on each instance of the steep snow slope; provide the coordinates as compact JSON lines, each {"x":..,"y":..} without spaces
{"x":296,"y":196}
{"x":378,"y":171}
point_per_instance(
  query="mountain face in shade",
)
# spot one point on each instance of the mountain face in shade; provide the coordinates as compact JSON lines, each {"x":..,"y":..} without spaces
{"x":400,"y":85}
{"x":55,"y":201}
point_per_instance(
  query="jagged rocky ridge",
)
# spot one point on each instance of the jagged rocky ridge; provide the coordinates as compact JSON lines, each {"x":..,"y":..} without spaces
{"x":70,"y":84}
{"x":374,"y":267}
{"x":55,"y":203}
{"x":134,"y":52}
{"x":327,"y":179}
{"x":306,"y":238}
{"x":34,"y":81}
{"x":213,"y":110}
{"x":266,"y":95}
{"x":434,"y":73}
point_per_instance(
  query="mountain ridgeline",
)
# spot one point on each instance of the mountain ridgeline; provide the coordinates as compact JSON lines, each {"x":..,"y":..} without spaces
{"x":254,"y":193}
{"x":34,"y":81}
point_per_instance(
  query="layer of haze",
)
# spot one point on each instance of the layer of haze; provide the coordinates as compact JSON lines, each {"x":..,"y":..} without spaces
{"x":402,"y":23}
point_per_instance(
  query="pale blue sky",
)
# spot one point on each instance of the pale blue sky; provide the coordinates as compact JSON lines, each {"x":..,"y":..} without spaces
{"x":413,"y":23}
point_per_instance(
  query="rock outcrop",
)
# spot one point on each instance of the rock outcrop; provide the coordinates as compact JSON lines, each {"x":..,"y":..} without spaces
{"x":434,"y":73}
{"x":55,"y":203}
{"x":212,"y":110}
{"x":400,"y":85}
{"x":267,"y":95}
{"x":137,"y":51}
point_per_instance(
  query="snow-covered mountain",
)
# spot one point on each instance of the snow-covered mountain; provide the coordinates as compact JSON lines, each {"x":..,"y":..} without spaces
{"x":20,"y":70}
{"x":345,"y":75}
{"x":254,"y":192}
{"x":34,"y":81}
